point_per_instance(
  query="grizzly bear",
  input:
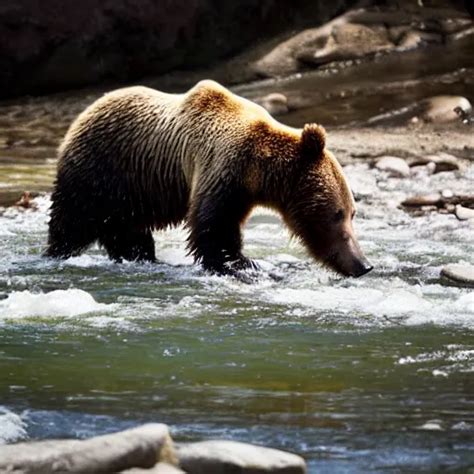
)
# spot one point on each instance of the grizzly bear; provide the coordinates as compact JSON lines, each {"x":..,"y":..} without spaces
{"x":138,"y":160}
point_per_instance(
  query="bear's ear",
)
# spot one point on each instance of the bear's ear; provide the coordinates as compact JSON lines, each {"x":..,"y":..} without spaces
{"x":313,"y":141}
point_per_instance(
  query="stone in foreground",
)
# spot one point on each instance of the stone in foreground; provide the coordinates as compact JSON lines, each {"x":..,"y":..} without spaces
{"x":138,"y":447}
{"x":160,"y":468}
{"x":223,"y":457}
{"x":461,"y":273}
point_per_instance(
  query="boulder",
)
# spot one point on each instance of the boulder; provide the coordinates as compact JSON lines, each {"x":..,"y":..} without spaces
{"x":223,"y":457}
{"x":348,"y":41}
{"x":461,"y":273}
{"x":437,"y":163}
{"x":463,"y":213}
{"x":445,"y":108}
{"x":141,"y":447}
{"x":394,"y":166}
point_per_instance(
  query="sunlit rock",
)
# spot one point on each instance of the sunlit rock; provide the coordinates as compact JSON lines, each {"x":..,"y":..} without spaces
{"x":219,"y":457}
{"x":137,"y":447}
{"x":394,"y":166}
{"x":442,"y":108}
{"x":461,"y":273}
{"x":464,"y":213}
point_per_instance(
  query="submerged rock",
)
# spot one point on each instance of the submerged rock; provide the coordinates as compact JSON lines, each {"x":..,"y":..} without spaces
{"x":461,"y":273}
{"x":394,"y":166}
{"x":137,"y":447}
{"x":220,"y":457}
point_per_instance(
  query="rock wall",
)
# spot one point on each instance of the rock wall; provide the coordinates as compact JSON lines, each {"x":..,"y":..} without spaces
{"x":52,"y":45}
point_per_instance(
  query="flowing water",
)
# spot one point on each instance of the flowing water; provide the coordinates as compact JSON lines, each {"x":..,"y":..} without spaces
{"x":366,"y":375}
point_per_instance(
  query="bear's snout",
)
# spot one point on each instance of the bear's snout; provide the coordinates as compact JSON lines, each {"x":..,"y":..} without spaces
{"x":361,"y":267}
{"x":349,"y":259}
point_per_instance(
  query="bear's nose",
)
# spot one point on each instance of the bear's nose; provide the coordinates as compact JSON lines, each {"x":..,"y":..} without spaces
{"x":361,"y":267}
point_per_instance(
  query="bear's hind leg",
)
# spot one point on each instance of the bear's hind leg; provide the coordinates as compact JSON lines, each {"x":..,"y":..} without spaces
{"x":128,"y":244}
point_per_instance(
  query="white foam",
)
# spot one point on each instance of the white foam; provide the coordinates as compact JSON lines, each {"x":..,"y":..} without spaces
{"x":87,"y":261}
{"x":12,"y":427}
{"x":73,"y":302}
{"x":410,"y":305}
{"x":175,"y":256}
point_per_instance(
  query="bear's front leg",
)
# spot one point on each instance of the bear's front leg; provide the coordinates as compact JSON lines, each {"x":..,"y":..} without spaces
{"x":215,"y":238}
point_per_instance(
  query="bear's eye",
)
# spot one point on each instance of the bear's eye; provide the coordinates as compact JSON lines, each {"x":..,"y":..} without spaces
{"x":339,"y":216}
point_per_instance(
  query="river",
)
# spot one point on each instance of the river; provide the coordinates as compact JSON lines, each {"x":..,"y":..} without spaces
{"x":373,"y":374}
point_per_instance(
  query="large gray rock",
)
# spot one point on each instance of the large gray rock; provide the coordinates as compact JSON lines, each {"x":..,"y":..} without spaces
{"x":461,"y":273}
{"x":362,"y":32}
{"x":138,"y":447}
{"x":445,"y":108}
{"x":224,"y":457}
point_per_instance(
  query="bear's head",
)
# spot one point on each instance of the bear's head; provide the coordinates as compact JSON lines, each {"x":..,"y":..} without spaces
{"x":322,"y":207}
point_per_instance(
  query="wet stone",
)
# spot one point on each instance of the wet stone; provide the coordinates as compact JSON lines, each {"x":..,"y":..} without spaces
{"x":394,"y":166}
{"x":220,"y":457}
{"x":461,"y":273}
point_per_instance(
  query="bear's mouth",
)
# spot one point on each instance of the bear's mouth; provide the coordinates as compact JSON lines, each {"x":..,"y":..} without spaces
{"x":352,"y":266}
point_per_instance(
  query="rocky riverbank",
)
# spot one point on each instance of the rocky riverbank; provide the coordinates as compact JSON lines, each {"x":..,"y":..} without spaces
{"x":146,"y":449}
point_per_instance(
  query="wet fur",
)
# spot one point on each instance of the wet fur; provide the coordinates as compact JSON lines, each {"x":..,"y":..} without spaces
{"x":139,"y":160}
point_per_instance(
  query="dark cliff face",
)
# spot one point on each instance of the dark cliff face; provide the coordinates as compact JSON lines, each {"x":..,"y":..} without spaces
{"x":52,"y":45}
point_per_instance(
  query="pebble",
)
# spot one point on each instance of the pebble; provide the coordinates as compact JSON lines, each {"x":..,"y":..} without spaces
{"x":464,"y":213}
{"x":461,"y":273}
{"x":394,"y":166}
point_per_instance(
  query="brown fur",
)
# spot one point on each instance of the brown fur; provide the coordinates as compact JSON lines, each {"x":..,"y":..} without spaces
{"x":138,"y":160}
